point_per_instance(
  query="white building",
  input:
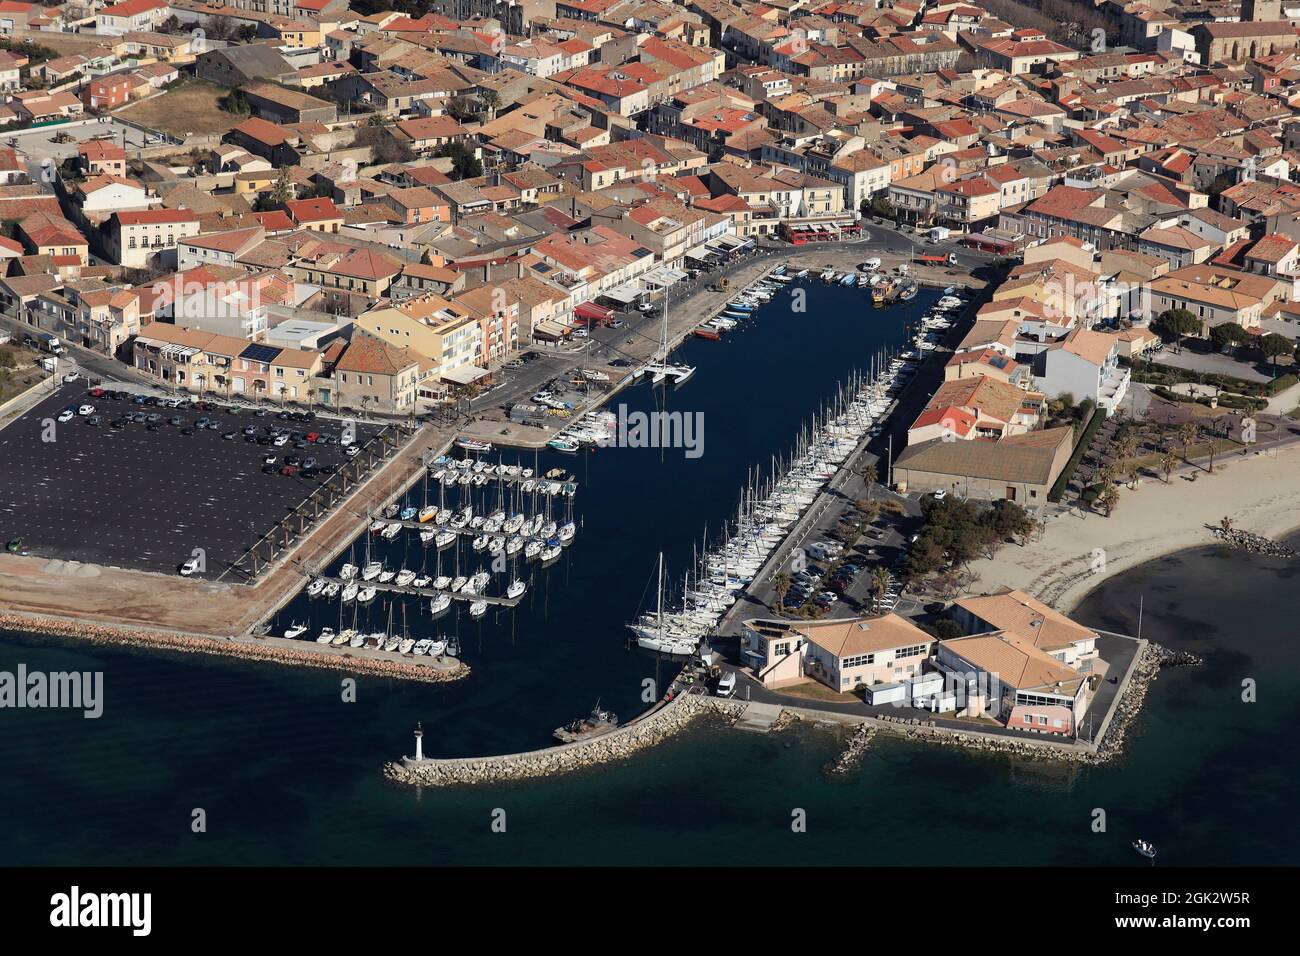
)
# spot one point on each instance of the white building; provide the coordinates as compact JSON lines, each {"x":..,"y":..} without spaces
{"x":1084,"y":364}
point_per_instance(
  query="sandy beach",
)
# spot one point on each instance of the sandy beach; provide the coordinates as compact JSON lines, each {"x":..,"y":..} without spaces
{"x":1261,"y":494}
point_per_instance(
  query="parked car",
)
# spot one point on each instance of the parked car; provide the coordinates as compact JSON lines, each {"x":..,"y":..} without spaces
{"x":190,"y":567}
{"x":352,"y":451}
{"x":288,"y":471}
{"x":66,"y":416}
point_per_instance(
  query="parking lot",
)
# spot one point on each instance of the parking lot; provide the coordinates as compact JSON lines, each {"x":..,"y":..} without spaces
{"x":141,"y":486}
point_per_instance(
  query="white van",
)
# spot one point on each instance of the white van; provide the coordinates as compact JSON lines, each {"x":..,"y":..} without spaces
{"x":727,"y":684}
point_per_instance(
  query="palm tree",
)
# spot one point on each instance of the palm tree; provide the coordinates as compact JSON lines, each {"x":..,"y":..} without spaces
{"x":879,"y":585}
{"x":1213,"y":448}
{"x":781,"y":587}
{"x":870,"y":475}
{"x":1108,"y":498}
{"x":1187,"y":434}
{"x":1225,"y":523}
{"x":1168,"y":461}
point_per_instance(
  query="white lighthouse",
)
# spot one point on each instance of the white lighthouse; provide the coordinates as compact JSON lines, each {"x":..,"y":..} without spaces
{"x":419,"y":742}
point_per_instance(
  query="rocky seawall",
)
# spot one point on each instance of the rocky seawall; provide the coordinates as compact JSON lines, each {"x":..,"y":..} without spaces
{"x":1254,"y":543}
{"x":245,"y":648}
{"x":643,"y":732}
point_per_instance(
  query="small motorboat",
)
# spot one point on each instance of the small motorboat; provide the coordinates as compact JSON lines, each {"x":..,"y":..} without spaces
{"x":478,"y":609}
{"x":358,"y":640}
{"x":385,"y":576}
{"x":391,"y":531}
{"x":439,"y":605}
{"x":342,"y":637}
{"x":326,"y":636}
{"x":422,"y":581}
{"x":427,"y":514}
{"x":332,"y":590}
{"x":297,"y":630}
{"x":407,"y":645}
{"x":314,"y":589}
{"x":441,"y":582}
{"x":371,"y":571}
{"x":422,"y":647}
{"x":366,"y":595}
{"x":351,"y":591}
{"x":566,"y":445}
{"x":1145,"y":849}
{"x":445,"y":539}
{"x":459,"y":582}
{"x":436,"y":648}
{"x":474,"y":445}
{"x":408,"y":513}
{"x":347,"y":572}
{"x":404,"y":578}
{"x":516,"y":589}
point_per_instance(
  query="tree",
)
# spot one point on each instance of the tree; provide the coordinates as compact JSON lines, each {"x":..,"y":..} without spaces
{"x":1177,"y":323}
{"x":463,"y":161}
{"x":1108,"y":498}
{"x":781,"y":587}
{"x":1273,"y":346}
{"x":283,"y":189}
{"x":1168,"y":461}
{"x":491,"y":101}
{"x":1187,"y":434}
{"x":870,"y":475}
{"x":236,"y":102}
{"x":384,"y":147}
{"x":1225,"y":523}
{"x":1227,"y":335}
{"x":879,"y":585}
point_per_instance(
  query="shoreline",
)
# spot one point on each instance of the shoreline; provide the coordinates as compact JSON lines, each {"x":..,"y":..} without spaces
{"x":1079,"y":552}
{"x":262,"y":650}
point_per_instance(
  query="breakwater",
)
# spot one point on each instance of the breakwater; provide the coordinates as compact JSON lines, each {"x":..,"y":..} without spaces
{"x":1254,"y":543}
{"x":265,"y":649}
{"x":650,"y":728}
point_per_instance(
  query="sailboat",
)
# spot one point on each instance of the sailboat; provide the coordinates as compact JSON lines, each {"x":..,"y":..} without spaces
{"x":658,"y":637}
{"x":662,"y":370}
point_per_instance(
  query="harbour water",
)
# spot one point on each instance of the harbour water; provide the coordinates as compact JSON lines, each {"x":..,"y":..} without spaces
{"x":288,"y":772}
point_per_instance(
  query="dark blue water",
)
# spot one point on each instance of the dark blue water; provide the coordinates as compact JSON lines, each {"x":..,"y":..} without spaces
{"x":549,"y":660}
{"x":289,"y":773}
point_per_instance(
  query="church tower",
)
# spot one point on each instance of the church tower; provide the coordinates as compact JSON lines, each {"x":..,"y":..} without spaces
{"x":1268,"y":11}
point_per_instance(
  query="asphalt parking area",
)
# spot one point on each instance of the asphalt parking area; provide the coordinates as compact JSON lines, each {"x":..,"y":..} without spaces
{"x":140,"y":499}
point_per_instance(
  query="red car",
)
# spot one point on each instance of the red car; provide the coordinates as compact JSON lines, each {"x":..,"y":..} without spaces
{"x":313,"y":437}
{"x":96,"y":392}
{"x":289,"y":471}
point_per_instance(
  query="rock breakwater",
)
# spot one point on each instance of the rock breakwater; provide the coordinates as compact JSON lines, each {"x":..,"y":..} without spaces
{"x":254,"y":649}
{"x":645,"y":731}
{"x":1254,"y":543}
